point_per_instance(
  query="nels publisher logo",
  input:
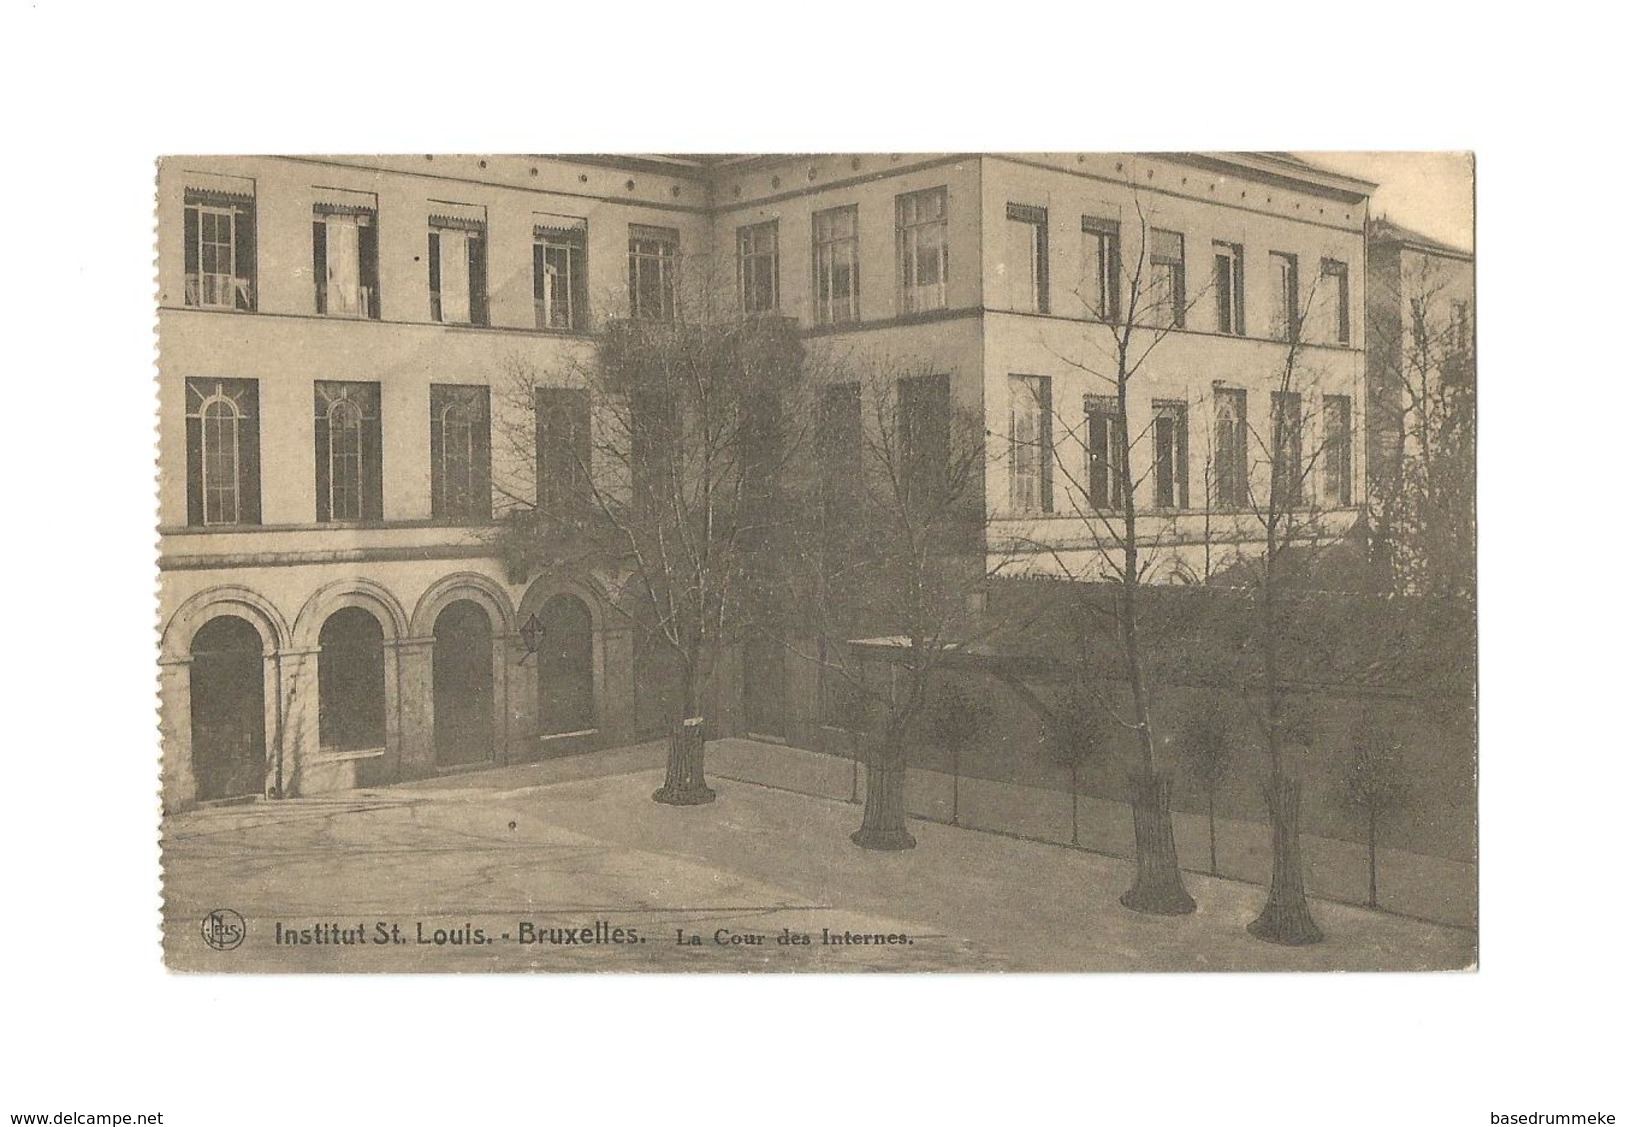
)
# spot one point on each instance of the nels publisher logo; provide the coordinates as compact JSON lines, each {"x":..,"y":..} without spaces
{"x":224,"y":929}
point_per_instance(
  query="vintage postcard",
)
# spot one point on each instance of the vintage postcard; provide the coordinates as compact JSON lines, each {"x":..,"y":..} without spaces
{"x":817,"y":562}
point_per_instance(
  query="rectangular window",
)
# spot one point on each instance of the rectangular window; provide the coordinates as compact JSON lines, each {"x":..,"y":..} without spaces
{"x":344,"y":253}
{"x":1284,"y":317}
{"x":1165,"y":295}
{"x":1334,"y":299}
{"x":651,"y":272}
{"x":1102,"y":257}
{"x":759,"y":267}
{"x":1103,"y":444}
{"x":558,"y":258}
{"x":1339,"y":449}
{"x":563,"y":450}
{"x":1286,"y":449}
{"x":1026,"y":257}
{"x":1228,"y":288}
{"x":1171,"y":443}
{"x":349,"y":452}
{"x":219,"y":250}
{"x":460,"y":452}
{"x":1230,"y":469}
{"x":222,"y":452}
{"x":1032,"y":445}
{"x":835,"y":264}
{"x":838,"y":437}
{"x":457,"y":265}
{"x":923,"y":436}
{"x":922,"y":250}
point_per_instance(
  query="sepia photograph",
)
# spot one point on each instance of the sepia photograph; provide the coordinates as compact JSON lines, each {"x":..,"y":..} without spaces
{"x":1020,"y":561}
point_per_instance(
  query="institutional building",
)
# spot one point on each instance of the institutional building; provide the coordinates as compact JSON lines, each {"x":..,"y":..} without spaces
{"x":365,"y":360}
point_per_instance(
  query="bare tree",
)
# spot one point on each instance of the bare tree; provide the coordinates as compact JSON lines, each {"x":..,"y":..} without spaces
{"x":957,"y":721}
{"x":887,"y":563}
{"x":1374,"y":787}
{"x":1208,"y":758}
{"x":658,"y":460}
{"x":1078,"y":730}
{"x":1424,"y":418}
{"x":1139,"y":302}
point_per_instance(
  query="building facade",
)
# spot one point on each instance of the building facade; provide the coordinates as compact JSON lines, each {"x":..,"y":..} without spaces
{"x":364,"y":361}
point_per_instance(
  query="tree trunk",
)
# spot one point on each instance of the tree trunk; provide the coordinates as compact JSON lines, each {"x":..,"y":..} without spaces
{"x":884,"y":825}
{"x":1212,"y":838}
{"x":857,"y":753}
{"x":685,"y":766}
{"x":1285,"y":918}
{"x":1371,"y":856}
{"x":1074,"y":766}
{"x":1158,"y":887}
{"x":954,"y":821}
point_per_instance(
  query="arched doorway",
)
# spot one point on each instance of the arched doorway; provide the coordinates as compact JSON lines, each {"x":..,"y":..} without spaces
{"x":463,"y":684}
{"x":564,"y":666}
{"x":228,"y":709}
{"x":350,"y":680}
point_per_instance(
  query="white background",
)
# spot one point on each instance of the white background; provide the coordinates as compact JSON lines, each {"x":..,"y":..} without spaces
{"x":91,"y":1022}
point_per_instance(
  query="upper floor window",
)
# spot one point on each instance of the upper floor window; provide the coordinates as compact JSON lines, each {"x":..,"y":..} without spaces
{"x":563,"y":449}
{"x":1032,"y":445}
{"x":923,"y":424}
{"x":1165,"y":295}
{"x":1230,"y":467}
{"x":460,"y":452}
{"x":1283,"y":296}
{"x":344,"y":253}
{"x":922,"y":250}
{"x":1170,"y":460}
{"x":1027,"y":257}
{"x":1102,"y":257}
{"x":1286,"y":449}
{"x":1228,"y":288}
{"x":835,"y":264}
{"x":651,"y":272}
{"x":457,"y":291}
{"x":1103,"y":444}
{"x":759,"y":267}
{"x":219,"y":249}
{"x":349,"y":452}
{"x":222,"y":452}
{"x":559,"y":273}
{"x":838,"y":443}
{"x":1334,"y":299}
{"x":1339,"y":449}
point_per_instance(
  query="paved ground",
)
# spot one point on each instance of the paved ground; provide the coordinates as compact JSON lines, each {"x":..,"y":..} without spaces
{"x":577,"y":846}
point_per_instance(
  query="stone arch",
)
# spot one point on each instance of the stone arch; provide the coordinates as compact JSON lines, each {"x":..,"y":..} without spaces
{"x":469,"y":585}
{"x":363,"y":593}
{"x":192,"y":615}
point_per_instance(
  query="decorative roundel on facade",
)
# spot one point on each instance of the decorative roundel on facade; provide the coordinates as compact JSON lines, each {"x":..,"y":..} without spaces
{"x":582,"y":178}
{"x":856,"y":164}
{"x":630,"y":184}
{"x":534,"y":170}
{"x":676,"y":189}
{"x":482,"y":164}
{"x":812,"y":174}
{"x":776,"y":181}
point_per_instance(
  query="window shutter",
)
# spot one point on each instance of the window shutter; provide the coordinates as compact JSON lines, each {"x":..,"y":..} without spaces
{"x":194,"y":471}
{"x":476,"y":280}
{"x":372,"y":462}
{"x":248,"y":455}
{"x":369,"y":266}
{"x":1239,"y":285}
{"x":190,"y":227}
{"x":1182,"y":466}
{"x":437,"y":455}
{"x":323,"y":462}
{"x":318,"y":262}
{"x":482,"y":457}
{"x":243,"y":237}
{"x":434,"y":274}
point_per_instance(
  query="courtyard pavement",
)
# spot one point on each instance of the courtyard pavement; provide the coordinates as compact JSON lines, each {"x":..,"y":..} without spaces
{"x":456,"y":873}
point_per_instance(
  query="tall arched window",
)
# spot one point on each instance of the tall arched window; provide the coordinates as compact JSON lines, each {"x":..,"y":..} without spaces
{"x":564,"y":667}
{"x":350,"y":681}
{"x":349,"y":461}
{"x":460,"y":450}
{"x":344,"y":469}
{"x":220,"y":482}
{"x":222,"y":452}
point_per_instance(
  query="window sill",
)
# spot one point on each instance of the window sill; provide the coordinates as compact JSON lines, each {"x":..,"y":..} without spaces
{"x":328,"y":756}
